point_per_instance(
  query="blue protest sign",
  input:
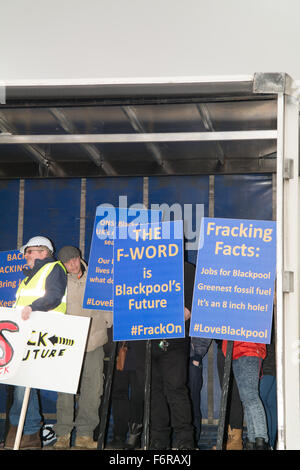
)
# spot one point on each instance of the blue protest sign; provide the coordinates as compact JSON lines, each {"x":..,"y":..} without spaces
{"x":99,"y":286}
{"x":148,"y":283}
{"x":11,"y":267}
{"x":234,"y":282}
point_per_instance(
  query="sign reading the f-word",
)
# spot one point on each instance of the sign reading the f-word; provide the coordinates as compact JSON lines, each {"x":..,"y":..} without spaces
{"x":148,"y":283}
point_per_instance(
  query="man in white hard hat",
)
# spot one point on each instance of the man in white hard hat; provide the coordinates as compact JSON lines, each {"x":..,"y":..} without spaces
{"x":42,"y":289}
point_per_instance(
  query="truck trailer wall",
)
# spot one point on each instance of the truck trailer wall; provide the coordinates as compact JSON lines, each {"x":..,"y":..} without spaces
{"x":64,"y":210}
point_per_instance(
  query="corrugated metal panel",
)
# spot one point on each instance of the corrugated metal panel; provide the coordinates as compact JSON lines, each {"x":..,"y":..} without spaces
{"x":243,"y":196}
{"x":52,"y":209}
{"x":108,"y":191}
{"x":9,"y":202}
{"x":181,"y":190}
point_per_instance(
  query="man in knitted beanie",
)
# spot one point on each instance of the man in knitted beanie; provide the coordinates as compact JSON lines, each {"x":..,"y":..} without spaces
{"x":91,"y":381}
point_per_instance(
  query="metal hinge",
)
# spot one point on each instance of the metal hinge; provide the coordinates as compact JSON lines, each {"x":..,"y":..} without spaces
{"x":288,"y":281}
{"x":2,"y":93}
{"x":288,"y":171}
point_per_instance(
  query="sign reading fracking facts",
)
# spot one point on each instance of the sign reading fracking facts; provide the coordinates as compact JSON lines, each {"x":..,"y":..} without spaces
{"x":234,"y":282}
{"x":43,"y":352}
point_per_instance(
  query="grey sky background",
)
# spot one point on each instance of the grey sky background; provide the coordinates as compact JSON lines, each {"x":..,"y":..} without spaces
{"x":100,"y":39}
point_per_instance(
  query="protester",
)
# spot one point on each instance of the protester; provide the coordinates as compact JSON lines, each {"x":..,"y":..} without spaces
{"x":199,"y":348}
{"x":234,"y":434}
{"x":128,"y":395}
{"x":267,"y":390}
{"x":42,"y":289}
{"x":246,"y":365}
{"x":91,"y":381}
{"x":170,"y":402}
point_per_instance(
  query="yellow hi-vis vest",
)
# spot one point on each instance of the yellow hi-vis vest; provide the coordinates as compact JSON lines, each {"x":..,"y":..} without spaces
{"x":28,"y":293}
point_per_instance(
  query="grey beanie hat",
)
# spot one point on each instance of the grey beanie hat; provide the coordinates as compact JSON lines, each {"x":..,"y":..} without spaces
{"x":68,"y":252}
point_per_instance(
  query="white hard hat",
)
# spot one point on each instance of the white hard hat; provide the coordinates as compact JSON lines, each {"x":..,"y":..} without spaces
{"x":37,"y":241}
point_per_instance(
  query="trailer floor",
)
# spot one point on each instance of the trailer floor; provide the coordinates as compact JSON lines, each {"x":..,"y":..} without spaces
{"x":207,"y":440}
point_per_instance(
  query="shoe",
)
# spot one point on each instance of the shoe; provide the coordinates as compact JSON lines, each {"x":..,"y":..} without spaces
{"x":234,"y":439}
{"x":118,"y":443}
{"x":11,"y":437}
{"x":261,"y":444}
{"x":133,"y":439}
{"x":63,"y":442}
{"x":157,"y":445}
{"x":31,"y":441}
{"x":248,"y":445}
{"x":48,"y":435}
{"x":184,"y":445}
{"x":28,"y":441}
{"x":85,"y":442}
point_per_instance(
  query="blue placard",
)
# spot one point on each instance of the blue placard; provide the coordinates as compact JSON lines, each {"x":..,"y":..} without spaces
{"x":149,"y":283}
{"x":99,"y":285}
{"x":234,"y":283}
{"x":12,"y":264}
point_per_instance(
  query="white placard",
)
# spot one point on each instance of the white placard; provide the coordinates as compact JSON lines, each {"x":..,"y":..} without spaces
{"x":52,"y":346}
{"x":14,"y":333}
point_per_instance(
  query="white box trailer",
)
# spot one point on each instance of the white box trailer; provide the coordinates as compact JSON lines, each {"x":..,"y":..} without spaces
{"x":187,"y":126}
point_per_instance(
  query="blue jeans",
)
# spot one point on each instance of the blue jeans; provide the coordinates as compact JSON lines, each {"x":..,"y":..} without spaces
{"x":33,"y":418}
{"x":267,"y":388}
{"x":246,"y":372}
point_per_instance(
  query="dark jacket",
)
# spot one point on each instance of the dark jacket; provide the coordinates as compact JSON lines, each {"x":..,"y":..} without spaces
{"x":55,"y":287}
{"x":244,"y":348}
{"x":269,"y":363}
{"x":200,"y":347}
{"x":189,"y":278}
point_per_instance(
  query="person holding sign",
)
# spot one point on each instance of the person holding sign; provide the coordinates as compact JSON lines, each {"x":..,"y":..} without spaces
{"x":246,"y":365}
{"x":170,"y":401}
{"x":128,"y":395}
{"x":267,"y":390}
{"x":91,"y":382}
{"x":233,"y":300}
{"x":43,"y":289}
